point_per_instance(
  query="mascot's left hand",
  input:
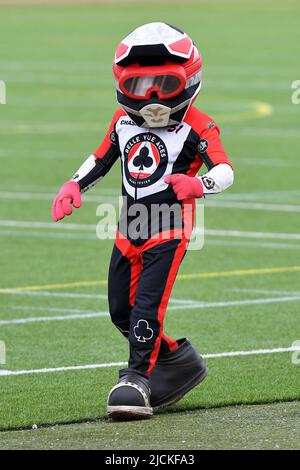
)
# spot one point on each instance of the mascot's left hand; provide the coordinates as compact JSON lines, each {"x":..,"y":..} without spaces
{"x":186,"y":187}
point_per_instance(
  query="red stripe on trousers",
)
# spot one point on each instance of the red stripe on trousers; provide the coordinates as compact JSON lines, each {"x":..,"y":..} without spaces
{"x":136,"y":263}
{"x":179,"y":253}
{"x":172,"y":343}
{"x":188,"y":215}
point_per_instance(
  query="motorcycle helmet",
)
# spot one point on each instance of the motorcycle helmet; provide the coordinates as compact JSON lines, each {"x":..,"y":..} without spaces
{"x":158,"y":72}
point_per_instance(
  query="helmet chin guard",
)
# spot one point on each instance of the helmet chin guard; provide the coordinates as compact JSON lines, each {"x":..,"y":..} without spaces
{"x":158,"y":72}
{"x":156,"y":115}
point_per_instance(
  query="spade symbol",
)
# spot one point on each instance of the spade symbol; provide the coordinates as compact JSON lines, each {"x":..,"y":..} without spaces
{"x":143,"y":160}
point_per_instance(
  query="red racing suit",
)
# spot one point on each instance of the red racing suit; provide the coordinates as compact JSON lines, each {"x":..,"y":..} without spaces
{"x":143,"y":266}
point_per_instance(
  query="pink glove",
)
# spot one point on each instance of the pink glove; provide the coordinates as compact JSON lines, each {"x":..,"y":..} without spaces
{"x":68,"y":194}
{"x":185,"y":187}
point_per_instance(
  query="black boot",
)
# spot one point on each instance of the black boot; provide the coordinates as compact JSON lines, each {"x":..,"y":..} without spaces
{"x":130,"y":398}
{"x":176,"y":373}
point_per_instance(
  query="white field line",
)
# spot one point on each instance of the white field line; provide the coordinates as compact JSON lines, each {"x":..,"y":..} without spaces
{"x":79,"y":316}
{"x":67,"y":67}
{"x":268,"y":292}
{"x":261,"y":206}
{"x":230,"y":69}
{"x":254,"y":84}
{"x":71,"y":66}
{"x":257,"y":162}
{"x":66,"y":295}
{"x":254,"y":352}
{"x":90,"y":80}
{"x":112,"y":191}
{"x":60,"y":369}
{"x":256,"y":206}
{"x":263,"y":196}
{"x":266,"y":196}
{"x":214,"y":108}
{"x":242,"y":161}
{"x":260,"y":235}
{"x":32,"y":196}
{"x":63,"y":236}
{"x":100,"y":189}
{"x":190,"y":306}
{"x":92,"y":228}
{"x":72,"y":310}
{"x":16,"y":127}
{"x":78,"y":236}
{"x":53,"y":309}
{"x":6,"y":152}
{"x":71,"y":295}
{"x":256,"y":132}
{"x":75,"y":295}
{"x":183,"y":302}
{"x":47,"y":225}
{"x":234,"y":303}
{"x":259,"y":245}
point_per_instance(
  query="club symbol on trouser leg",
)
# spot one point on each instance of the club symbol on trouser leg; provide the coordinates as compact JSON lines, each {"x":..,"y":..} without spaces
{"x":142,"y":331}
{"x":130,"y":398}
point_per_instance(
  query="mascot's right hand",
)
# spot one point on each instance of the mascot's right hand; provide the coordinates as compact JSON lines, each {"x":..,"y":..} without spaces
{"x":69,"y":194}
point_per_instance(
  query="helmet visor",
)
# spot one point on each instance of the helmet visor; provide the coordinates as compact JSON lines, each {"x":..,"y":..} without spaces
{"x":164,"y":85}
{"x":139,"y":82}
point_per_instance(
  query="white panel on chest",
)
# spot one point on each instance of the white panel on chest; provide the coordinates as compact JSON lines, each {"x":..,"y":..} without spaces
{"x":148,"y":155}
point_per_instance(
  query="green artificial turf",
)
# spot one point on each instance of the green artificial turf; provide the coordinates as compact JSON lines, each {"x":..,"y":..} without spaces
{"x":272,"y":427}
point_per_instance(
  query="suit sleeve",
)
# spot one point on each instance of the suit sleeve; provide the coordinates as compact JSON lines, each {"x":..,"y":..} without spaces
{"x":210,"y":148}
{"x":100,"y":162}
{"x":212,"y":153}
{"x":220,"y":174}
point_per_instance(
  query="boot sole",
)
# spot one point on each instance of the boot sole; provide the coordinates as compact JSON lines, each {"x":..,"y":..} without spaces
{"x":120,"y":413}
{"x":184,"y":390}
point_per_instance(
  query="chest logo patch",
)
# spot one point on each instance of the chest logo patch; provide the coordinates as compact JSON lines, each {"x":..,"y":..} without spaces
{"x":145,"y":159}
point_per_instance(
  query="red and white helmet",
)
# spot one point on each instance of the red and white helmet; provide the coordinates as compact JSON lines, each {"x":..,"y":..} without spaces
{"x":158,"y":71}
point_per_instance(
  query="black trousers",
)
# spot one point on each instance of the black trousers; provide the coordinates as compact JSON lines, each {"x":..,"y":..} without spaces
{"x":139,"y":287}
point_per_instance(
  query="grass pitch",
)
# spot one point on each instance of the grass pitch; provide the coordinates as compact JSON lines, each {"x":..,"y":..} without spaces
{"x":241,"y":291}
{"x":271,"y":426}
